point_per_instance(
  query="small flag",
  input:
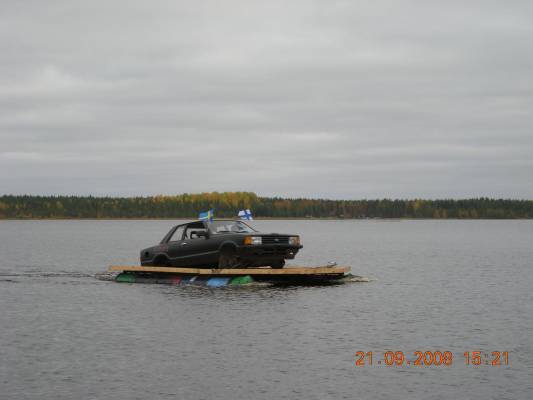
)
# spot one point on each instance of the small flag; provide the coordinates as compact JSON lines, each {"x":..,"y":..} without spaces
{"x":207,"y":216}
{"x":246,"y":215}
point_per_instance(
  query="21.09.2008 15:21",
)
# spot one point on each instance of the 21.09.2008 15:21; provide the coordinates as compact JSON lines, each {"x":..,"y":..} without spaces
{"x":430,"y":358}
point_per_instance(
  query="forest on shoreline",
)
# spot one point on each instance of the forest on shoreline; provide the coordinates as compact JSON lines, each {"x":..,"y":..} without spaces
{"x":227,"y":204}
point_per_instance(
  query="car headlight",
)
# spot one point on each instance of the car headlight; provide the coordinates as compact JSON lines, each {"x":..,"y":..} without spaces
{"x":253,"y":240}
{"x":294,"y":240}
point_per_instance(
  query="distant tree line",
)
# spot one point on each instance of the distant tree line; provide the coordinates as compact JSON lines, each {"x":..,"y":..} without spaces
{"x":228,"y":203}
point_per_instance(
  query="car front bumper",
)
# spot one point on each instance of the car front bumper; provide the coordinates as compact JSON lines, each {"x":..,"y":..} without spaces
{"x":259,"y":252}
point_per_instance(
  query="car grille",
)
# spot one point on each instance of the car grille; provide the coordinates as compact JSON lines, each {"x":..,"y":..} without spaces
{"x":275,"y":240}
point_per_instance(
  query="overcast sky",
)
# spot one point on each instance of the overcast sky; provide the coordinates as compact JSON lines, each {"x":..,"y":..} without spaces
{"x":331,"y":99}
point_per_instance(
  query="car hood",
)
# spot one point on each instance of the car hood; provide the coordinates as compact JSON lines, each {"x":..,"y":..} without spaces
{"x":271,"y":234}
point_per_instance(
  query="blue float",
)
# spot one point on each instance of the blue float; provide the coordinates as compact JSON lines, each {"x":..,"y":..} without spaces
{"x":218,"y":281}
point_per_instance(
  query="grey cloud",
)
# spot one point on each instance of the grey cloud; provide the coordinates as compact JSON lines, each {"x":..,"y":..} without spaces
{"x":339,"y":99}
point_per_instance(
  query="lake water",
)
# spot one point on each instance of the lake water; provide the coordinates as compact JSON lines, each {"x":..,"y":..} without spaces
{"x":435,"y":285}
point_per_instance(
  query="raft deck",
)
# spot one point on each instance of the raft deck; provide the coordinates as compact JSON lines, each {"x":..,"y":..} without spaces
{"x":266,"y":274}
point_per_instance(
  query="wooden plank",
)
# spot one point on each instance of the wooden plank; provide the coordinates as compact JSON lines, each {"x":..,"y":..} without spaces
{"x":235,"y":271}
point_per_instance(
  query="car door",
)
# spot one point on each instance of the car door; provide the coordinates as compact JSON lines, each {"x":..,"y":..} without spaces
{"x":175,"y":247}
{"x":196,"y":250}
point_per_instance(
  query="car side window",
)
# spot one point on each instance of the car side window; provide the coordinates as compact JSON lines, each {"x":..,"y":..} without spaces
{"x":192,"y":232}
{"x":178,"y":234}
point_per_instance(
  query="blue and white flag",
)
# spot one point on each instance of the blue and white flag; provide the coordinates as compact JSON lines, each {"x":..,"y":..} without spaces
{"x":207,"y":216}
{"x":246,"y":215}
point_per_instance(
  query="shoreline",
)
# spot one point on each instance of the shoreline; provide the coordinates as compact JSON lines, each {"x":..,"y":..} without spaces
{"x":263,"y":219}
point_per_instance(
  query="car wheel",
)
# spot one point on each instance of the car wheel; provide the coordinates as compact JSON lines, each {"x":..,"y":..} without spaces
{"x":161,"y":262}
{"x":228,"y":259}
{"x":277,"y":264}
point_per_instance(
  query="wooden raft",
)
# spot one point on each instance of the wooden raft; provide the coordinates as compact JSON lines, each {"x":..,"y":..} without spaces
{"x":255,"y":272}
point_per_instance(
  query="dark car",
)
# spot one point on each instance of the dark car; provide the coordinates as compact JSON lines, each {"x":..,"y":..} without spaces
{"x":221,"y":244}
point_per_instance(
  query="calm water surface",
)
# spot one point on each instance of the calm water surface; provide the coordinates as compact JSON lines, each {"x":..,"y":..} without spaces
{"x":437,"y":285}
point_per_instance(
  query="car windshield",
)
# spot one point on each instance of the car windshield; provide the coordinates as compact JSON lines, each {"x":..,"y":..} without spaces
{"x":229,"y":226}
